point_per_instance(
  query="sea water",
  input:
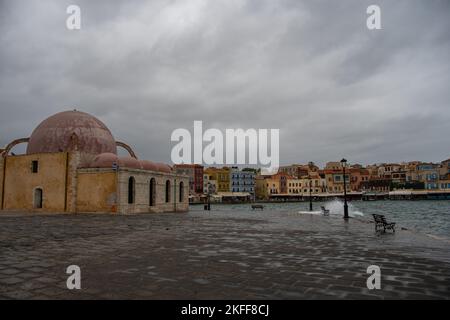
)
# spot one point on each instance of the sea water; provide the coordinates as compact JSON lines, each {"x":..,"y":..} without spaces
{"x":426,"y":216}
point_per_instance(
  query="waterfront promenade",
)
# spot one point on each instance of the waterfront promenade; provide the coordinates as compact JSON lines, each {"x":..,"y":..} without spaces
{"x":216,"y":255}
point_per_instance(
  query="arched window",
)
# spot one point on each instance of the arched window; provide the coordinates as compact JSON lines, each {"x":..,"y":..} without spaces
{"x":38,"y":198}
{"x":131,"y":190}
{"x":181,"y":193}
{"x":167,"y":190}
{"x":152,"y":192}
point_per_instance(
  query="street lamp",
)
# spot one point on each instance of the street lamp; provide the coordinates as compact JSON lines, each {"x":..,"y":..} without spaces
{"x":344,"y":164}
{"x":208,"y":204}
{"x":310,"y":190}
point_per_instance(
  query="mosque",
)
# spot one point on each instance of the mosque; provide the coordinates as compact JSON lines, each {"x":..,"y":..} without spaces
{"x":71,"y":165}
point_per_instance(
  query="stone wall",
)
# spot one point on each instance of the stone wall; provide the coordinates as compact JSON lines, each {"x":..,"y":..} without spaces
{"x":21,"y":182}
{"x":96,"y":190}
{"x":72,"y":187}
{"x":1,"y":180}
{"x":142,"y":191}
{"x":67,"y":188}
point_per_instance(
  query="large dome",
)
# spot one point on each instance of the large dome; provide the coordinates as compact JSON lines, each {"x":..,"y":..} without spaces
{"x":70,"y":130}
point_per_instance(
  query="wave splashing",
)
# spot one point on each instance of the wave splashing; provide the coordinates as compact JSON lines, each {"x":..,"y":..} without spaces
{"x":336,"y":207}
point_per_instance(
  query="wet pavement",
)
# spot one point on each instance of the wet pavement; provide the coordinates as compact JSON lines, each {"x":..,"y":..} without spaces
{"x":216,"y":255}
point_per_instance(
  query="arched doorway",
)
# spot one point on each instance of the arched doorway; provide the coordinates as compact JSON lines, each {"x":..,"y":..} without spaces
{"x":131,"y":190}
{"x":152,"y":192}
{"x":181,"y":192}
{"x":168,"y":191}
{"x":38,"y":198}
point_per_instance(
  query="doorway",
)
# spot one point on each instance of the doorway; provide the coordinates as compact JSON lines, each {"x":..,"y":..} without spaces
{"x":38,"y":198}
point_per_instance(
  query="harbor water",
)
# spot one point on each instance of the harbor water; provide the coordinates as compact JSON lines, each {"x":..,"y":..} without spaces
{"x":426,"y":216}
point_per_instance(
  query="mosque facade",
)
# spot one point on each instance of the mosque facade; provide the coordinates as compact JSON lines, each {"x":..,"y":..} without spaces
{"x":71,"y":165}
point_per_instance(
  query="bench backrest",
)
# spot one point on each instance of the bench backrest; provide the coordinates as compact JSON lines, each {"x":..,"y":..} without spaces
{"x":379,"y":218}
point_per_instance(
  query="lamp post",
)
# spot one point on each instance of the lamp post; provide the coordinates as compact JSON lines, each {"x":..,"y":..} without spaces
{"x":310,"y":190}
{"x":208,"y":204}
{"x":344,"y":164}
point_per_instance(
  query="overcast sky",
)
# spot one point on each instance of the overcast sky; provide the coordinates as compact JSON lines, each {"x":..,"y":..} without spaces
{"x":309,"y":68}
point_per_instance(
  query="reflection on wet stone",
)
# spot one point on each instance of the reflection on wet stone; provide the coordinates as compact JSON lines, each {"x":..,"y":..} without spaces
{"x":224,"y":254}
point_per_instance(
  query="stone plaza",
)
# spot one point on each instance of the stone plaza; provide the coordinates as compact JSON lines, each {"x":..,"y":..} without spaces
{"x":220,"y":254}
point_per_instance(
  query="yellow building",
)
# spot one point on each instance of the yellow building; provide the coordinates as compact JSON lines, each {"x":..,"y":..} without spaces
{"x":261,"y":187}
{"x":273,"y":185}
{"x":335,"y":181}
{"x":221,"y":176}
{"x":303,"y":184}
{"x":295,"y":186}
{"x":333,"y":165}
{"x":314,"y":181}
{"x":71,"y":165}
{"x":276,"y":184}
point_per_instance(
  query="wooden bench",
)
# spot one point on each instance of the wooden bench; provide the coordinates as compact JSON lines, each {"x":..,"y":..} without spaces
{"x":325,"y":212}
{"x":381,"y":223}
{"x":257,"y":206}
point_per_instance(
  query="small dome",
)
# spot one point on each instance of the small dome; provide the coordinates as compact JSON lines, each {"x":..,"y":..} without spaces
{"x":162,"y":167}
{"x":70,"y":130}
{"x":129,"y":162}
{"x":148,"y":165}
{"x":108,"y":160}
{"x":104,"y":160}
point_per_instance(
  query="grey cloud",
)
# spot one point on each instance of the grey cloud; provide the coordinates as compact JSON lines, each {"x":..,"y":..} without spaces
{"x":309,"y":68}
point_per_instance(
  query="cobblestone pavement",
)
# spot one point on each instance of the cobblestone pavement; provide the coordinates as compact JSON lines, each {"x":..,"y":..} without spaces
{"x":216,"y":255}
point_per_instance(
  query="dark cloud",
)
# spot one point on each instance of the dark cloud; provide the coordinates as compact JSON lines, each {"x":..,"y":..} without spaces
{"x":310,"y":68}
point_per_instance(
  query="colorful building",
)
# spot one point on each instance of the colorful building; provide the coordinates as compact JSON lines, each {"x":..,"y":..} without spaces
{"x":209,"y":184}
{"x":315,"y":181}
{"x":261,"y":187}
{"x":335,"y":180}
{"x":426,"y":173}
{"x":221,"y":176}
{"x":299,"y":170}
{"x":378,"y":185}
{"x":195,"y":174}
{"x":242,"y":181}
{"x":357,"y":177}
{"x":292,"y":170}
{"x":294,"y":186}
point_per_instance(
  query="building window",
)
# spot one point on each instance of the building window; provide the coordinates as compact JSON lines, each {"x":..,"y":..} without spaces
{"x":34,"y":166}
{"x":181,"y":193}
{"x":131,"y":190}
{"x":38,"y":198}
{"x":152,"y":192}
{"x":167,"y":191}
